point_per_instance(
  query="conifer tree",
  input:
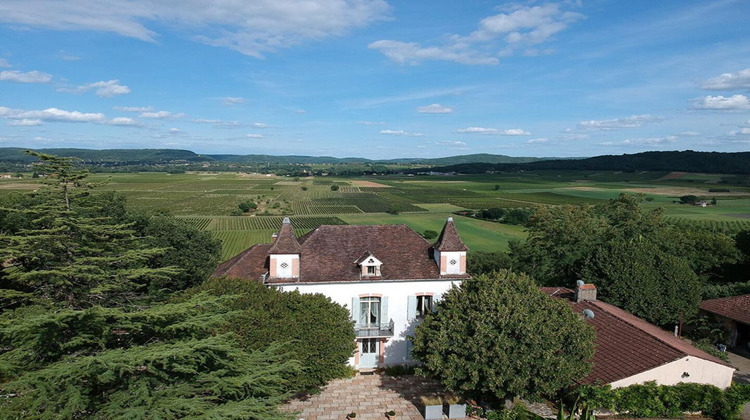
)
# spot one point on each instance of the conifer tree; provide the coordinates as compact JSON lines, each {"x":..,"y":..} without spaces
{"x":66,"y":256}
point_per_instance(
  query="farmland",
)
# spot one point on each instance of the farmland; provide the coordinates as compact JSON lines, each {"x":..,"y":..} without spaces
{"x":207,"y":200}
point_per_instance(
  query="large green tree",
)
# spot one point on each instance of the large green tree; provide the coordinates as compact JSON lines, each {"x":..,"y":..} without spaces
{"x":496,"y":337}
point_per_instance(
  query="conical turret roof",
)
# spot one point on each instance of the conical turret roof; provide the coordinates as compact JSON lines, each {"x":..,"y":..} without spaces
{"x":449,"y":239}
{"x":286,"y":242}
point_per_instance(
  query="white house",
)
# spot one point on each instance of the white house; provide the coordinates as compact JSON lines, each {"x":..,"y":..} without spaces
{"x":387,"y":275}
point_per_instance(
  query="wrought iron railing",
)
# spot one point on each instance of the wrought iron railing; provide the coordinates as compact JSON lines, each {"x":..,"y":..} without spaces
{"x":382,"y":330}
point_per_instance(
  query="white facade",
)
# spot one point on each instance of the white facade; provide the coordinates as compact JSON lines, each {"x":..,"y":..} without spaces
{"x":451,"y":262}
{"x":398,"y":300}
{"x":284,"y":266}
{"x":689,"y":369}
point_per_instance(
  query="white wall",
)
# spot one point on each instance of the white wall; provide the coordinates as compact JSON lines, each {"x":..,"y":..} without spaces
{"x":398,"y":292}
{"x":700,"y":371}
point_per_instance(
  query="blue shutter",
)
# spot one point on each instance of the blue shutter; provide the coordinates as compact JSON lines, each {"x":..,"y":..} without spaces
{"x":384,"y":310}
{"x":433,"y":307}
{"x":411,"y":308}
{"x":355,"y":310}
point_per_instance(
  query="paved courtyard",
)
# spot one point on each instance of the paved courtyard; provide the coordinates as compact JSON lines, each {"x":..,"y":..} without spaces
{"x":370,"y":396}
{"x":741,"y":375}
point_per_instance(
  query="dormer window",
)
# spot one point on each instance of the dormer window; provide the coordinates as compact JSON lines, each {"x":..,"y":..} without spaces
{"x":370,"y":266}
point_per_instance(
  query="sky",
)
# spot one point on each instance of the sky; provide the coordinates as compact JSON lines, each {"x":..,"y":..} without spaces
{"x":376,"y":79}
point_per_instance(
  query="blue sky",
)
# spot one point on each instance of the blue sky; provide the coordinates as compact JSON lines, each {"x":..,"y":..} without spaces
{"x":376,"y":79}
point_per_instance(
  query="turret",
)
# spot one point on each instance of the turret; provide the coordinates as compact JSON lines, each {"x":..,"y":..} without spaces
{"x":284,"y":253}
{"x":450,"y":251}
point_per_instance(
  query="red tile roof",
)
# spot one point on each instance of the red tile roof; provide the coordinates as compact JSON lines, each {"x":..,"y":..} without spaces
{"x":736,"y":308}
{"x":625,"y":344}
{"x":330,"y":254}
{"x":449,"y":239}
{"x":286,"y":242}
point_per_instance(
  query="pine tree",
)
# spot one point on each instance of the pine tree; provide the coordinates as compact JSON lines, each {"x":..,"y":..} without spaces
{"x":66,"y":256}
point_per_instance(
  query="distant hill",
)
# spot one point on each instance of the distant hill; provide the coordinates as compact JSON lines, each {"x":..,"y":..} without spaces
{"x":685,"y":161}
{"x":475,"y":158}
{"x":122,"y":156}
{"x":291,"y":159}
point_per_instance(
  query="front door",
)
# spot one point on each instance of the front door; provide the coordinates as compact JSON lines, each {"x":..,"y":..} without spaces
{"x":369,"y":353}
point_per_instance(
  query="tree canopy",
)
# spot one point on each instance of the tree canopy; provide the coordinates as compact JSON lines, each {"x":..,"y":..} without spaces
{"x":496,"y":337}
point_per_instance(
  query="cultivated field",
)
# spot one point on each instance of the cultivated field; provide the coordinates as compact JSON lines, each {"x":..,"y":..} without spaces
{"x":421,"y":202}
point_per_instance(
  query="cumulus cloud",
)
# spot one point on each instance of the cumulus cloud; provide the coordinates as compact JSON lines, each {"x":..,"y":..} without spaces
{"x":650,"y":141}
{"x":434,"y":109}
{"x":250,"y":27}
{"x":161,"y":115}
{"x":102,"y":89}
{"x":728,"y":81}
{"x":632,"y":121}
{"x":27,"y":77}
{"x":721,"y":103}
{"x":499,"y":35}
{"x":134,"y":108}
{"x":487,"y":130}
{"x":744,"y":131}
{"x":25,"y":122}
{"x":400,"y":133}
{"x":38,"y":117}
{"x":233,"y":100}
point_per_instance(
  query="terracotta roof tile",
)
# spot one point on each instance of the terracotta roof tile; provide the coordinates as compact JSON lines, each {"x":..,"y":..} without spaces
{"x":736,"y":308}
{"x":249,"y":264}
{"x":286,"y":242}
{"x":330,"y":254}
{"x":449,"y":239}
{"x":625,"y":344}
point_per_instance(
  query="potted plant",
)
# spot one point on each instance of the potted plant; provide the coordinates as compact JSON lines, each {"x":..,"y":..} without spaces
{"x":456,"y":406}
{"x":351,"y":415}
{"x":391,"y":414}
{"x":433,"y":407}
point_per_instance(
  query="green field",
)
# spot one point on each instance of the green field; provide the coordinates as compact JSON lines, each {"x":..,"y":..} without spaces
{"x":421,"y":202}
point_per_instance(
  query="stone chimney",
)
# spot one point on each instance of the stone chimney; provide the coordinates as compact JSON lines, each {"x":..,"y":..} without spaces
{"x":585,"y":292}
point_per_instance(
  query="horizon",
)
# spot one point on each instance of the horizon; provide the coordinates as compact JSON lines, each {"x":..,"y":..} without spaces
{"x":377,"y":80}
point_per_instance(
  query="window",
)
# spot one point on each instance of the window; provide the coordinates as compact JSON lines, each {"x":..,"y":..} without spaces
{"x":424,"y":305}
{"x":371,"y":270}
{"x":369,"y":312}
{"x":370,"y":345}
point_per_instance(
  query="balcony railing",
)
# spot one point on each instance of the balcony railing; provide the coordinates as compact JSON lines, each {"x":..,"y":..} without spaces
{"x":382,"y":330}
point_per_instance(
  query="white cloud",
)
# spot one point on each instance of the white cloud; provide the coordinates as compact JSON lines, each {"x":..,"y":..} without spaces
{"x":260,"y":125}
{"x":400,"y":133}
{"x":371,"y":122}
{"x":255,"y":136}
{"x":651,"y":141}
{"x":218,"y":123}
{"x":451,"y":143}
{"x":28,"y":77}
{"x":434,"y":109}
{"x":539,"y":140}
{"x":498,"y":35}
{"x":689,"y":133}
{"x":721,"y":103}
{"x":103,"y":89}
{"x":233,"y":100}
{"x":4,"y":63}
{"x":21,"y":117}
{"x":744,"y":131}
{"x":300,"y":111}
{"x":478,"y":130}
{"x":729,"y":81}
{"x":25,"y":122}
{"x":486,"y":130}
{"x":161,"y":115}
{"x":175,"y":131}
{"x":632,"y":121}
{"x":134,"y":108}
{"x":250,"y":27}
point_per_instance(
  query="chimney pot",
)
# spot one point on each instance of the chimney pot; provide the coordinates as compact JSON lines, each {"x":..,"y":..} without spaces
{"x":585,"y":292}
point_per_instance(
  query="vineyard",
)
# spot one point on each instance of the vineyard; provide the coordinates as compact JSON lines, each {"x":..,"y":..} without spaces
{"x":727,"y":227}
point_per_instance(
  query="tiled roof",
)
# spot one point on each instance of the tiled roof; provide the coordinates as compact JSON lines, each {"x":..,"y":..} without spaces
{"x":625,"y":344}
{"x":286,"y":242}
{"x":449,"y":239}
{"x":249,"y":264}
{"x":735,"y":307}
{"x":330,"y":254}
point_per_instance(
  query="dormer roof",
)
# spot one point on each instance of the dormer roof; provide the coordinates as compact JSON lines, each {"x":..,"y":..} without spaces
{"x":285,"y":242}
{"x":449,"y":239}
{"x":368,"y":259}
